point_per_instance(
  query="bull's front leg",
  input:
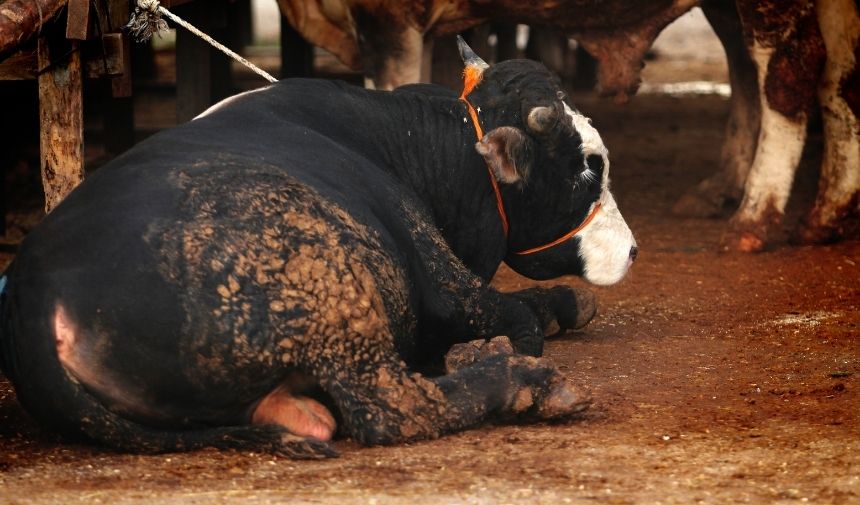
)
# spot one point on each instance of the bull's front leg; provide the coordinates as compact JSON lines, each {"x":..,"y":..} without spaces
{"x":559,"y":308}
{"x":499,"y":314}
{"x":526,"y":317}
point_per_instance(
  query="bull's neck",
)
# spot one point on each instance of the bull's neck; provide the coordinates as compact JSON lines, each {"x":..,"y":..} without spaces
{"x":429,"y":144}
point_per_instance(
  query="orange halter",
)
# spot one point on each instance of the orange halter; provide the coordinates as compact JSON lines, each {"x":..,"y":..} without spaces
{"x":471,"y":78}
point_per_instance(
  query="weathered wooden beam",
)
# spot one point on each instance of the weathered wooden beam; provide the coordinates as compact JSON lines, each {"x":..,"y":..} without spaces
{"x":202,"y":72}
{"x":114,"y":62}
{"x":110,"y":63}
{"x":21,"y":19}
{"x":61,"y":136}
{"x":78,"y":20}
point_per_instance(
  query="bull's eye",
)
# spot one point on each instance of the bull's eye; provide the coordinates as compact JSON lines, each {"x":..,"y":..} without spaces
{"x":595,"y":163}
{"x":591,"y":172}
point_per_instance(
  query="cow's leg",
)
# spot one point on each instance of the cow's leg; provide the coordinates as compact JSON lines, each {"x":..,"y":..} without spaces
{"x":768,"y":185}
{"x":789,"y":54}
{"x":838,"y":201}
{"x":381,"y":402}
{"x":722,"y":191}
{"x":391,"y":52}
{"x":559,"y":308}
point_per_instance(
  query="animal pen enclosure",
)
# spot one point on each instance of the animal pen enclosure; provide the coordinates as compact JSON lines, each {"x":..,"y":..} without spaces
{"x":716,"y":377}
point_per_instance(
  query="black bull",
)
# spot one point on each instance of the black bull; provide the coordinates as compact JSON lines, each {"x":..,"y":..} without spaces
{"x":286,"y":260}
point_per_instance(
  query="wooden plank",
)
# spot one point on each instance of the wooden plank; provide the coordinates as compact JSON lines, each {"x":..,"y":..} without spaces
{"x":107,"y":58}
{"x":21,"y":19}
{"x":78,"y":20}
{"x":61,"y":136}
{"x":193,"y":75}
{"x":121,"y":84}
{"x":115,"y":62}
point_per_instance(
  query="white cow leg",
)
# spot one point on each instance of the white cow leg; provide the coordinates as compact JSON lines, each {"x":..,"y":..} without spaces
{"x":721,"y":192}
{"x":838,"y":203}
{"x":403,"y":65}
{"x":780,"y":144}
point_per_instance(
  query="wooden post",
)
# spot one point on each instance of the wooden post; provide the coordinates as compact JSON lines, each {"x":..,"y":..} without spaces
{"x":61,"y":137}
{"x":202,"y":73}
{"x":119,"y":116}
{"x":78,"y":19}
{"x":297,"y":55}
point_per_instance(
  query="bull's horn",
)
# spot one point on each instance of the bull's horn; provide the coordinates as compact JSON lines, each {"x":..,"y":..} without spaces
{"x":542,"y":119}
{"x":470,"y":59}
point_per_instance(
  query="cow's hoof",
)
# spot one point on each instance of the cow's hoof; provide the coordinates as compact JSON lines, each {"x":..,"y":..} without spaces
{"x":463,"y":355}
{"x":841,"y":229}
{"x":742,"y":237}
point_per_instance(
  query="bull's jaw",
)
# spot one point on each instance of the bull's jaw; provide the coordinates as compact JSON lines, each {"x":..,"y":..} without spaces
{"x":606,"y":245}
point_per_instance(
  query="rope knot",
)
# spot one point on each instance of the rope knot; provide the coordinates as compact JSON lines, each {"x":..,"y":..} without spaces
{"x":146,"y":20}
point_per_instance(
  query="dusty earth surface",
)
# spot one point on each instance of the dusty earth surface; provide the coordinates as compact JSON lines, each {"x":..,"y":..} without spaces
{"x":716,"y":377}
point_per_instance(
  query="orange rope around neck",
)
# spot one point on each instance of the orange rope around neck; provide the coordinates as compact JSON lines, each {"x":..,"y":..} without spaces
{"x":566,"y":236}
{"x":471,"y":80}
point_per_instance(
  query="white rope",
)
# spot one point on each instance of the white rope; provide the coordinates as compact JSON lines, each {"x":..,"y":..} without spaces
{"x":146,"y":21}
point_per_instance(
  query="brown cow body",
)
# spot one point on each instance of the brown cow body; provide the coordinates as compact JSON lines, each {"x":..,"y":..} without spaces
{"x":386,"y":38}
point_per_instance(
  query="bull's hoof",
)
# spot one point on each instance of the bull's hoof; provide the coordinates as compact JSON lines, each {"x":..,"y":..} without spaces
{"x":296,"y":447}
{"x":586,"y":307}
{"x":463,"y":355}
{"x":545,"y":394}
{"x":573,"y":308}
{"x":563,"y":400}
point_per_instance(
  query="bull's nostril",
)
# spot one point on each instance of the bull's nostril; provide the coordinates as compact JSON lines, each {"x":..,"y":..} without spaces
{"x":634,"y":251}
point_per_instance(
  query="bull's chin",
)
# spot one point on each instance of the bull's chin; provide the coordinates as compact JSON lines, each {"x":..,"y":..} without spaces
{"x":545,"y":266}
{"x":538,"y":270}
{"x":604,"y":278}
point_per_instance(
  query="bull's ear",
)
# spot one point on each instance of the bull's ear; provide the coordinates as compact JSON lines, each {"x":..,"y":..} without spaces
{"x":508,"y":152}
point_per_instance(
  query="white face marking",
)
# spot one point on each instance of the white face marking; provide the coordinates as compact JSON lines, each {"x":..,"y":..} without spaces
{"x":606,"y":242}
{"x":227,"y":101}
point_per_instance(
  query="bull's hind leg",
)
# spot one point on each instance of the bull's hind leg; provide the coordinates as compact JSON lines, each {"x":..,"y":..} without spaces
{"x":381,"y":402}
{"x":283,"y":423}
{"x":298,"y":413}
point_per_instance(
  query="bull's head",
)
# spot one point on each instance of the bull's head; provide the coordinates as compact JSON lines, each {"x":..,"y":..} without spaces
{"x":551,"y":169}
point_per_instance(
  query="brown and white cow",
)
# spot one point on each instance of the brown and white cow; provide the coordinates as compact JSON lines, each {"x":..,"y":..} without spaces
{"x":387,"y":38}
{"x":792,"y":52}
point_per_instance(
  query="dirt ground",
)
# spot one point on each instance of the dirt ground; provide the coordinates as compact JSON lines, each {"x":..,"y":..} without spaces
{"x":716,"y":378}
